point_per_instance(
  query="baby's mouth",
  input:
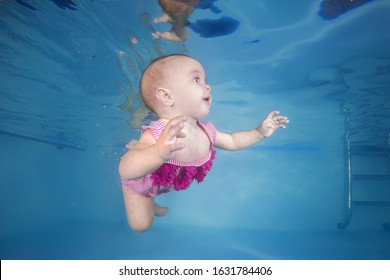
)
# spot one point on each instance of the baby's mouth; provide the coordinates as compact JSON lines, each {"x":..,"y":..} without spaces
{"x":207,"y":99}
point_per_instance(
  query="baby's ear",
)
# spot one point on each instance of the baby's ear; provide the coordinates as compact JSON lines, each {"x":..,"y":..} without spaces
{"x":165,"y":96}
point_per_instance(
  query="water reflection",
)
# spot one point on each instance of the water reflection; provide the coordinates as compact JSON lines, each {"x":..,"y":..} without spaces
{"x":331,"y":9}
{"x":178,"y":12}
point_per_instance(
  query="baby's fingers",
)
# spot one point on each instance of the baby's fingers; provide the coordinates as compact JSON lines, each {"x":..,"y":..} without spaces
{"x":272,"y":114}
{"x":281,"y":119}
{"x":174,"y":127}
{"x":175,"y":147}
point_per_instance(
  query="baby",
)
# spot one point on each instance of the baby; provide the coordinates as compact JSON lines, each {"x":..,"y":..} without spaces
{"x":177,"y":149}
{"x":176,"y":12}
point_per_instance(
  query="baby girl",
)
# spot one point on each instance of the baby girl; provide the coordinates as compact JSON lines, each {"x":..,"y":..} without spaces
{"x":177,"y":149}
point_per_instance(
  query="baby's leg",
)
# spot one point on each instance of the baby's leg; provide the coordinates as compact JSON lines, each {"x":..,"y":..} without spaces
{"x":164,"y":18}
{"x":140,"y":210}
{"x":160,"y":211}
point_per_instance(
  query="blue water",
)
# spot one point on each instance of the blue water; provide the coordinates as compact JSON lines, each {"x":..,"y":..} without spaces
{"x":69,"y":102}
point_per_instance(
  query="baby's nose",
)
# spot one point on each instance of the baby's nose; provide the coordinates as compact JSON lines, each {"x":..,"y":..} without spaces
{"x":207,"y":87}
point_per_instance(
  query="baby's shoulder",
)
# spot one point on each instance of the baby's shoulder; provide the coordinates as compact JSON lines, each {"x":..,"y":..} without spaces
{"x":147,"y":138}
{"x":155,"y":128}
{"x":210,"y":130}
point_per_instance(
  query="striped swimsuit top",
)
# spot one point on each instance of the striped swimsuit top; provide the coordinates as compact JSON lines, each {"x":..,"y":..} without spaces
{"x":173,"y":174}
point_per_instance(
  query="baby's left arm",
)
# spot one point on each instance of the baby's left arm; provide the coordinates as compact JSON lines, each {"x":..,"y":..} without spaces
{"x":243,"y":139}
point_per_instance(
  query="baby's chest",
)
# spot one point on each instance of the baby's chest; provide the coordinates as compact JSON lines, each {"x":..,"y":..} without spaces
{"x":196,"y":147}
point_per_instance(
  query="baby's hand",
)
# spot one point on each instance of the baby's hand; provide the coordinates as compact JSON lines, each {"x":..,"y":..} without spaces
{"x":271,"y":123}
{"x":167,"y":142}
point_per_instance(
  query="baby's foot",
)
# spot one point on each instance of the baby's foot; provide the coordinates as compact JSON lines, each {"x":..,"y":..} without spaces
{"x":163,"y":18}
{"x":156,"y":35}
{"x":159,"y":210}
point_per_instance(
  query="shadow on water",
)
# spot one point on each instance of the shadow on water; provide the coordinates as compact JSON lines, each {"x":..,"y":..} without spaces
{"x":209,"y":28}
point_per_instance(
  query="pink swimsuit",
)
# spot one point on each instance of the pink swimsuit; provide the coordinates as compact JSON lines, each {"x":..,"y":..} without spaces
{"x":174,"y":174}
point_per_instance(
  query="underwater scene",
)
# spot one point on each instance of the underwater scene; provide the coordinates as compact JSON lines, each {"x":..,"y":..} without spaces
{"x":70,"y":102}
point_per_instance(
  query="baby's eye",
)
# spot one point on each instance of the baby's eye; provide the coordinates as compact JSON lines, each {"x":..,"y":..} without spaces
{"x":196,"y":79}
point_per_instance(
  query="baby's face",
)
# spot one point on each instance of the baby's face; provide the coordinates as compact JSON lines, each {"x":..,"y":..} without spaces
{"x":187,"y":82}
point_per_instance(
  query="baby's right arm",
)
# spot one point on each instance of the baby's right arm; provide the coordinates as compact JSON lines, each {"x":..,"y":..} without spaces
{"x":149,"y":154}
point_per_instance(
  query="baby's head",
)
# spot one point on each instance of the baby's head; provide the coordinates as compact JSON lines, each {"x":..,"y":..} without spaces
{"x":176,"y":85}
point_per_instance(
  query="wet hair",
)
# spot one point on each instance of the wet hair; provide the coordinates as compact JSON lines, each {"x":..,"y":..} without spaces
{"x":153,"y":78}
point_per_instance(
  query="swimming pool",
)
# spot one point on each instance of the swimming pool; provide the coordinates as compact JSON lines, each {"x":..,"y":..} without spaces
{"x":70,"y":102}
